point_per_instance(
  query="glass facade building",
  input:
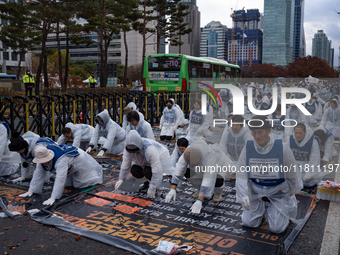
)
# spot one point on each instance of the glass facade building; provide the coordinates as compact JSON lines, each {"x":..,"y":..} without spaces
{"x":321,"y":47}
{"x":278,"y":31}
{"x":299,"y":44}
{"x":214,"y":41}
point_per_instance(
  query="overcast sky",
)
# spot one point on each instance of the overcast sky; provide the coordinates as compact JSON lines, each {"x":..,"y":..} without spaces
{"x":319,"y":15}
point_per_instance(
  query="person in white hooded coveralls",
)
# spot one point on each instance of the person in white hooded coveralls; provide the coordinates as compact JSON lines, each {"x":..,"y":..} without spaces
{"x":258,"y":189}
{"x":331,"y":119}
{"x":182,"y":121}
{"x":9,"y":161}
{"x":73,"y":167}
{"x":234,"y":138}
{"x":147,"y":160}
{"x":140,"y":125}
{"x":294,"y":113}
{"x":306,"y":150}
{"x":201,"y":156}
{"x":169,"y":121}
{"x":327,"y":150}
{"x":80,"y":133}
{"x":199,"y":123}
{"x":132,"y":107}
{"x":114,"y":134}
{"x":26,"y":146}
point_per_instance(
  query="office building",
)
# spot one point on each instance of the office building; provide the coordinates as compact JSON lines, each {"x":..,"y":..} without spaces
{"x":214,"y":41}
{"x":299,"y":42}
{"x":321,"y":47}
{"x":191,"y":41}
{"x":245,"y":38}
{"x":278,"y":32}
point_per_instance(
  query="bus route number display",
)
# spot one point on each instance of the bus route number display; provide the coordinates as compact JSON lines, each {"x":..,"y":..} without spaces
{"x":173,"y":63}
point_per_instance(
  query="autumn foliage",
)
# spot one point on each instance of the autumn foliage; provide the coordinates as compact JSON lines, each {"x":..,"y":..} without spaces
{"x":302,"y":67}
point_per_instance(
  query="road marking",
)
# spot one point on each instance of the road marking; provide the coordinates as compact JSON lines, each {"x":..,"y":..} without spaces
{"x":331,"y":236}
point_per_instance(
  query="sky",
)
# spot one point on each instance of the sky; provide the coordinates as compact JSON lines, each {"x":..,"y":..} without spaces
{"x":319,"y":15}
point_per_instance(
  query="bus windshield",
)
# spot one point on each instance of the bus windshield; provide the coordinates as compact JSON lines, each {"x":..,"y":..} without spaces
{"x":165,"y":63}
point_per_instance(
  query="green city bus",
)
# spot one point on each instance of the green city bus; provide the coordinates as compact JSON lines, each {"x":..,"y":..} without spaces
{"x":178,"y":72}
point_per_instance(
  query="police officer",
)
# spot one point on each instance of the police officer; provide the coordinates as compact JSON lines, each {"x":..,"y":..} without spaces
{"x":92,"y":81}
{"x":29,"y":82}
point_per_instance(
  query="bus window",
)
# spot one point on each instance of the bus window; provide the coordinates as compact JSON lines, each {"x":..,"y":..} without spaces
{"x":165,"y":63}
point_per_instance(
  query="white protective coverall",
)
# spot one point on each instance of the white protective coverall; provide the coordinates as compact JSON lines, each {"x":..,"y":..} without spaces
{"x":307,"y":156}
{"x":9,"y":161}
{"x":225,"y":97}
{"x":78,"y":171}
{"x":182,"y":121}
{"x":314,"y":109}
{"x":331,"y":120}
{"x":283,"y":203}
{"x":278,"y":130}
{"x":133,"y":106}
{"x":199,"y":123}
{"x":327,"y":147}
{"x":114,"y":134}
{"x":232,"y":143}
{"x":151,"y":154}
{"x":81,"y":135}
{"x":212,"y":156}
{"x":265,"y":100}
{"x":298,"y":116}
{"x":143,"y":128}
{"x":170,"y":121}
{"x":32,"y":140}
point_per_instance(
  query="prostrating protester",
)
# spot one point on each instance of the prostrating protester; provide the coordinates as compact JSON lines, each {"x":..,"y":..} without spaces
{"x":199,"y":123}
{"x":146,"y":160}
{"x":259,"y":187}
{"x":296,"y":116}
{"x":278,"y":130}
{"x":331,"y":119}
{"x":234,"y":138}
{"x":182,"y":120}
{"x":314,"y":109}
{"x":201,"y":157}
{"x":130,"y":107}
{"x":306,"y":150}
{"x":80,"y":133}
{"x":9,"y":161}
{"x":225,"y":96}
{"x":73,"y":167}
{"x":327,"y":150}
{"x":26,"y":146}
{"x":114,"y":134}
{"x":140,"y":125}
{"x":181,"y":144}
{"x":169,"y":121}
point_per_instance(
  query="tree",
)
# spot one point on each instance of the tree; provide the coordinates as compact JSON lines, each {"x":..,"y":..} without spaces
{"x":81,"y":68}
{"x":100,"y":17}
{"x":134,"y":72}
{"x":177,"y":27}
{"x":125,"y":20}
{"x":19,"y":31}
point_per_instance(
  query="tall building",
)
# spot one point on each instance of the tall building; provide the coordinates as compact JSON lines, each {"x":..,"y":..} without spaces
{"x":245,"y":38}
{"x":214,"y":41}
{"x":191,"y":41}
{"x":278,"y":31}
{"x":321,"y":47}
{"x":299,"y":42}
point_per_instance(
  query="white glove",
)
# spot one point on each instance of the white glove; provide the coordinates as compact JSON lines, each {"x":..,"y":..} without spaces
{"x":151,"y":193}
{"x":49,"y":201}
{"x":18,"y":179}
{"x":307,"y":177}
{"x":245,"y":202}
{"x":200,"y":130}
{"x":88,"y":150}
{"x":170,"y":195}
{"x":175,"y":129}
{"x":118,"y":183}
{"x":27,"y":194}
{"x":160,"y":127}
{"x":101,"y":153}
{"x":196,"y":207}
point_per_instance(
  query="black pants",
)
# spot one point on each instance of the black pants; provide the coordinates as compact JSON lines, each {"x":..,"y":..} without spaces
{"x":219,"y":179}
{"x":140,"y":172}
{"x":92,"y":85}
{"x":28,"y":90}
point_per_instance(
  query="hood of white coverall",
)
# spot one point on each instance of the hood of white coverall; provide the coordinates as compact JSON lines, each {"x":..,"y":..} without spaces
{"x":133,"y":138}
{"x":105,"y":117}
{"x":132,"y":105}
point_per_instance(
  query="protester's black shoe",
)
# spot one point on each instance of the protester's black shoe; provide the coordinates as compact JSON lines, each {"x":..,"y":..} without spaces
{"x":144,"y":186}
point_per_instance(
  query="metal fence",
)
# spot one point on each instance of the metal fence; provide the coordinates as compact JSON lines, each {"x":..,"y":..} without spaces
{"x":48,"y":115}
